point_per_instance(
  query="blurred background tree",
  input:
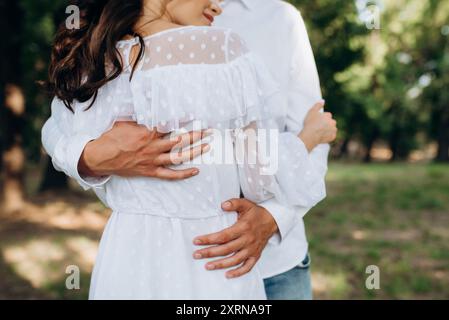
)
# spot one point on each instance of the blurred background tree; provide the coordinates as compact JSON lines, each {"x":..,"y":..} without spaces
{"x":39,"y":27}
{"x":13,"y":106}
{"x":30,"y":26}
{"x":384,"y":85}
{"x":432,"y":57}
{"x":336,"y":34}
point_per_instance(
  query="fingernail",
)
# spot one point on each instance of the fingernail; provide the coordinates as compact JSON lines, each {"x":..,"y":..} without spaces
{"x":323,"y":101}
{"x":210,"y":267}
{"x":195,"y":172}
{"x":229,"y":276}
{"x":197,"y":256}
{"x":197,"y":242}
{"x":226,"y":205}
{"x":207,"y":132}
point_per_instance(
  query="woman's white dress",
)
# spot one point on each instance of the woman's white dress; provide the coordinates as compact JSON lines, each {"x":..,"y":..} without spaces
{"x":190,"y":76}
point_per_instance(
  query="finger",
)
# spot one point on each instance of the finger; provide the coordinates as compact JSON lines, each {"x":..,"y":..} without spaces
{"x":221,"y":237}
{"x":244,"y":269}
{"x":238,"y":205}
{"x":166,"y":145}
{"x":158,"y":134}
{"x":176,"y":158}
{"x":328,"y":115}
{"x":169,"y":174}
{"x":181,"y":141}
{"x":192,"y":137}
{"x":221,"y":250}
{"x":190,"y":154}
{"x":334,"y":137}
{"x":228,"y":262}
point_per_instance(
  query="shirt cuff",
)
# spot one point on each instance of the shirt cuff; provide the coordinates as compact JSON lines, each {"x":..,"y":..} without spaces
{"x":286,"y":218}
{"x":74,"y":151}
{"x":301,"y":175}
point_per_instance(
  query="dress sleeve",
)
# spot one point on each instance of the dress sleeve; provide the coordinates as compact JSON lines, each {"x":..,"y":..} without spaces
{"x":257,"y":156}
{"x":274,"y":164}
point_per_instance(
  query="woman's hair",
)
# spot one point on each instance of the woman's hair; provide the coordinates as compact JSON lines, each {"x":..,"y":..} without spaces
{"x":80,"y":56}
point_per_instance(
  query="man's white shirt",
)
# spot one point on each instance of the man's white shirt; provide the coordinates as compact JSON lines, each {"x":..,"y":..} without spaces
{"x":276,"y":32}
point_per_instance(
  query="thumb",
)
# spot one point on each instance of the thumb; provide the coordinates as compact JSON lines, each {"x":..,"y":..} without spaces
{"x":319,"y":105}
{"x":237,"y":205}
{"x":158,"y":135}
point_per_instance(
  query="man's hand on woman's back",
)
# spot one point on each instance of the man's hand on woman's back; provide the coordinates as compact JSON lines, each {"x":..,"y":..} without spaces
{"x":319,"y":127}
{"x":131,"y":150}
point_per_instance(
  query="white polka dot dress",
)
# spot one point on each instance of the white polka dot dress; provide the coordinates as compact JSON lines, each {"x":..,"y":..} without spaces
{"x":189,"y":78}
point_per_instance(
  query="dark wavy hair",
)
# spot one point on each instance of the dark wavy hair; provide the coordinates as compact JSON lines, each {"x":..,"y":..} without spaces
{"x":79,"y":57}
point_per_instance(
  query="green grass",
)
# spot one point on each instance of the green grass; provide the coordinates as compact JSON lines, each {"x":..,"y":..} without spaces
{"x":395,"y":216}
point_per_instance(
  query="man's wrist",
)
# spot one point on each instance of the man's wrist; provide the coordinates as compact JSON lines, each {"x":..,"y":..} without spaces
{"x":86,"y":164}
{"x":309,"y":140}
{"x":273,"y":226}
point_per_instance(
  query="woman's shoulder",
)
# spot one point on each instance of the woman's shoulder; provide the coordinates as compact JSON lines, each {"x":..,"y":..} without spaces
{"x":190,"y":45}
{"x":191,"y":33}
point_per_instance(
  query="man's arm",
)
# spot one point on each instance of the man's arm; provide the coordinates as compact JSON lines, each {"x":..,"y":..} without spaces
{"x":65,"y":149}
{"x":297,"y":145}
{"x":258,"y":223}
{"x":127,"y":149}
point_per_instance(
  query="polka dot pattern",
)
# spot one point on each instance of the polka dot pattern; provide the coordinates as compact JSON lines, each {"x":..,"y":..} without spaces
{"x":205,"y":45}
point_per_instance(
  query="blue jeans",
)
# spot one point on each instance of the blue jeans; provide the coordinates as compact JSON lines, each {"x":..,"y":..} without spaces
{"x":294,"y":284}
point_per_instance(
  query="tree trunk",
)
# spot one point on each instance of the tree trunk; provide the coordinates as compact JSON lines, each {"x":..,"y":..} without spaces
{"x":343,"y":150}
{"x":369,"y":144}
{"x":443,"y":140}
{"x":12,"y":106}
{"x":369,"y":147}
{"x":394,"y":144}
{"x":13,"y":155}
{"x":53,"y":180}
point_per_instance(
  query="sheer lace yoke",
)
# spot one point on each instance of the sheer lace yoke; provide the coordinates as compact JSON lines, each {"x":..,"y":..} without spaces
{"x":201,"y":74}
{"x":185,"y":46}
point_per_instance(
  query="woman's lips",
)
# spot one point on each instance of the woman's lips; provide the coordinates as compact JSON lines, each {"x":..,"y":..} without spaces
{"x":209,"y":17}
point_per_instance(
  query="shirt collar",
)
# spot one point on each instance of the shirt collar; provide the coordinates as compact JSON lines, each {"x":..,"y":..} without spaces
{"x":248,"y":3}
